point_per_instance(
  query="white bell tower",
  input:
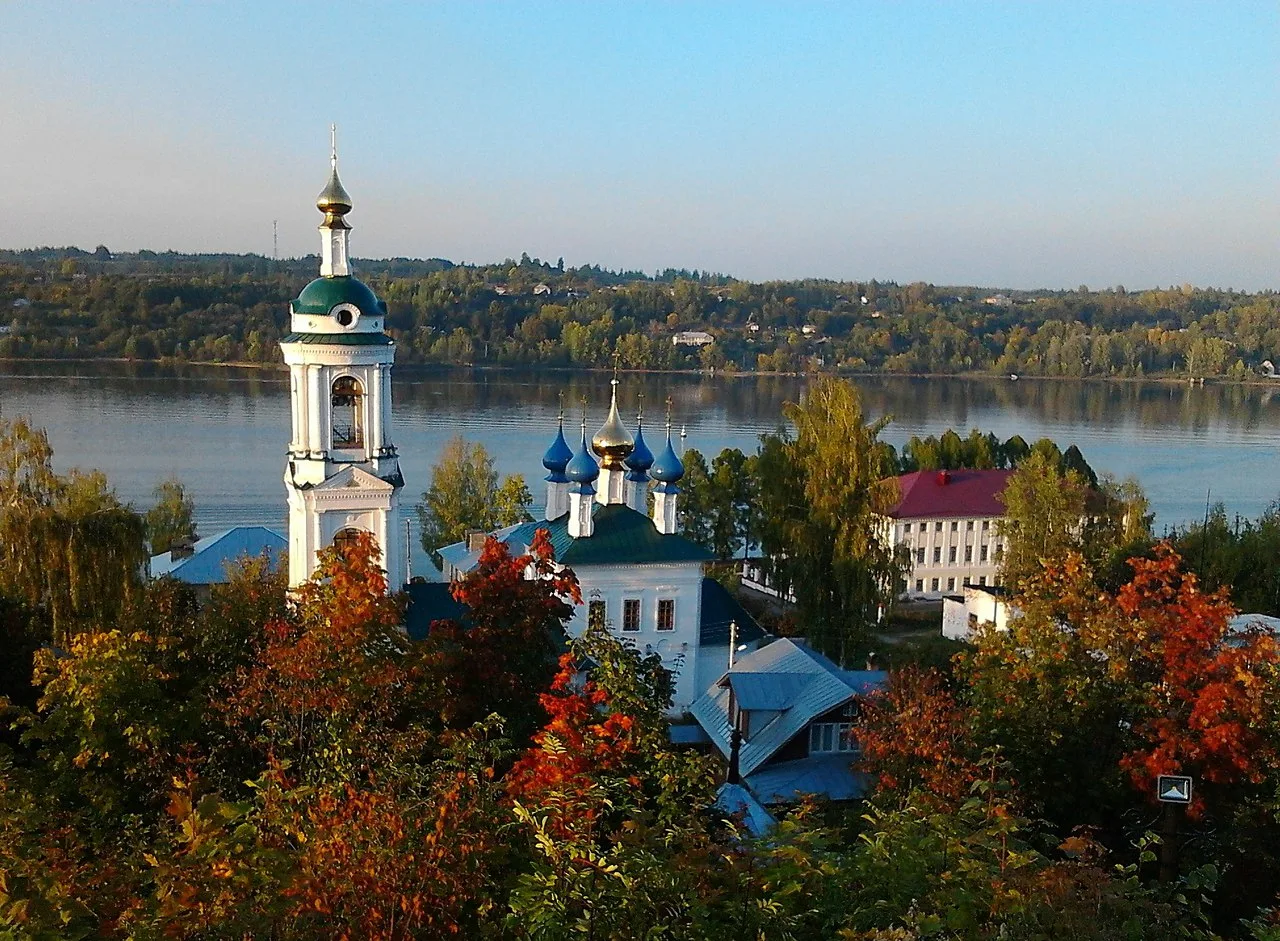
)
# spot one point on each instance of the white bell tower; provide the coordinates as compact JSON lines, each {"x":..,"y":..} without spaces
{"x":343,"y":474}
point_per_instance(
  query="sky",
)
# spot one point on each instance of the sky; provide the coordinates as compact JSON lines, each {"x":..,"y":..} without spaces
{"x":1021,"y":145}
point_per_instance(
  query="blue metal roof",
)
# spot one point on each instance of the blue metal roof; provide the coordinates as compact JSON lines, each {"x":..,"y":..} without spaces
{"x":208,"y":564}
{"x":830,"y":776}
{"x":735,"y":800}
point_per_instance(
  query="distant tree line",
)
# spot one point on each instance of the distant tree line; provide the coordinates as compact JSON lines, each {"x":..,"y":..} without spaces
{"x":68,"y":303}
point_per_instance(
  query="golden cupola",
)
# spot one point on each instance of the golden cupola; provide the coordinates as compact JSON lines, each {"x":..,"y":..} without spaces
{"x":613,"y":443}
{"x":333,"y":201}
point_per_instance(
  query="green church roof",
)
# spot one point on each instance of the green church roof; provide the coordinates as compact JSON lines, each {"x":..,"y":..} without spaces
{"x":620,"y":536}
{"x":324,"y":294}
{"x":340,"y":339}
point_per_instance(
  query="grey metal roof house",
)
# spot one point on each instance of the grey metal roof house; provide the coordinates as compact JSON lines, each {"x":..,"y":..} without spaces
{"x":794,"y":708}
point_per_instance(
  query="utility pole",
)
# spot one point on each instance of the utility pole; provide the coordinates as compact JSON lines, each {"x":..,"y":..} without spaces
{"x":275,"y":240}
{"x":408,"y":553}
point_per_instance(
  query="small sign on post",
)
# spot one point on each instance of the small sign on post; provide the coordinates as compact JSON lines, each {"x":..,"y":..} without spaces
{"x":1173,"y":789}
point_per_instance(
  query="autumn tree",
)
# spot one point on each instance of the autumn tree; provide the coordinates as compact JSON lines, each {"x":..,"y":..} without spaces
{"x":331,"y":689}
{"x":171,"y":520}
{"x":465,"y":495}
{"x":505,"y":653}
{"x":914,"y":737}
{"x":822,"y":496}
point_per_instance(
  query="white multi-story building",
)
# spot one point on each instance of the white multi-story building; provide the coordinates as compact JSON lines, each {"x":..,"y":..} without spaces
{"x":343,"y":473}
{"x":949,"y":523}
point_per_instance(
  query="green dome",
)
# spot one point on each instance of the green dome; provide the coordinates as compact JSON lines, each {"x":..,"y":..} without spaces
{"x":324,"y":294}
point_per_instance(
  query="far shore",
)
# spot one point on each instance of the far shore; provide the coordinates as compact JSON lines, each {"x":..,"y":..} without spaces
{"x":1161,"y":378}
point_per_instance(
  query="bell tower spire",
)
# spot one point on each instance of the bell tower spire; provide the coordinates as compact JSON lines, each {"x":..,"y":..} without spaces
{"x":335,"y":231}
{"x":342,"y":474}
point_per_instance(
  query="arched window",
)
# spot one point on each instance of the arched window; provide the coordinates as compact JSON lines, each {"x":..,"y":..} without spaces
{"x":344,"y":539}
{"x":348,"y":413}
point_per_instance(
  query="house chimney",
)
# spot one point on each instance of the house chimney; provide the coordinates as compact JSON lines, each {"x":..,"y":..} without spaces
{"x":873,"y":662}
{"x":944,"y":478}
{"x":475,"y":540}
{"x":184,"y":548}
{"x":735,"y":750}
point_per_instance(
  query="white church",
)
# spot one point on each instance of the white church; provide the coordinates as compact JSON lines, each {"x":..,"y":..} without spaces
{"x":343,"y":477}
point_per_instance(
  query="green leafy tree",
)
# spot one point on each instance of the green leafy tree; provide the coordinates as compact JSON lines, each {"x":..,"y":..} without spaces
{"x":68,"y":546}
{"x":822,"y":496}
{"x":172,"y":519}
{"x":464,"y":495}
{"x":1044,"y":517}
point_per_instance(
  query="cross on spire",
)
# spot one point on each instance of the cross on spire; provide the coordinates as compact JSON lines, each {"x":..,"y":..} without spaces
{"x":333,"y":145}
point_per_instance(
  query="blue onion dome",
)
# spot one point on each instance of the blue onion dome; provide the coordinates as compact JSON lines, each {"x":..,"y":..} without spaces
{"x":641,"y":458}
{"x":582,"y":468}
{"x":558,"y":455}
{"x":667,"y":468}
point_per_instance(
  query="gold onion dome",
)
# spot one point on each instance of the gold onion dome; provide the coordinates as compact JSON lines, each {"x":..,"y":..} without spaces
{"x":613,"y":442}
{"x":333,"y":200}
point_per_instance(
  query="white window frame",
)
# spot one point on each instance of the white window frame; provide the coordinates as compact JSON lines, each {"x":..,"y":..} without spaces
{"x":831,"y":738}
{"x":657,"y":615}
{"x":626,"y":609}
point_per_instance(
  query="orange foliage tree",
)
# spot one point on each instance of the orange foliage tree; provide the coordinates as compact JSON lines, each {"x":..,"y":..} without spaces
{"x":914,"y":735}
{"x":505,"y":654}
{"x":331,"y":689}
{"x":1208,"y":691}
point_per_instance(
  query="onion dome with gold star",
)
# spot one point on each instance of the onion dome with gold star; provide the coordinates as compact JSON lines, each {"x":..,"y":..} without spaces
{"x":613,"y":442}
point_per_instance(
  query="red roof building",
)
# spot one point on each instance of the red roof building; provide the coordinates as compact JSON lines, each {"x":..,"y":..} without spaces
{"x":950,"y":493}
{"x":948,"y":523}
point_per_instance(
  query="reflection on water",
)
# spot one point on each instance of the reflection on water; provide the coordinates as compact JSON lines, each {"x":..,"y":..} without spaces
{"x":224,"y":431}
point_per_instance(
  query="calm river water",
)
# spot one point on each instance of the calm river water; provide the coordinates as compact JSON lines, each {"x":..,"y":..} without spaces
{"x":224,"y":431}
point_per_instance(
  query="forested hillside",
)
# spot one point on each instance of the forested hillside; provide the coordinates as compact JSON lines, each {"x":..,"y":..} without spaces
{"x":67,"y":303}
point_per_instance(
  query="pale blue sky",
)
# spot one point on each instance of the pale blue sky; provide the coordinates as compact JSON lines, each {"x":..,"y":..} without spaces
{"x":1003,"y":144}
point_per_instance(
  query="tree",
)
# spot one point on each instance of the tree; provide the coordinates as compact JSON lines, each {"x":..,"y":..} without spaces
{"x":506,"y":652}
{"x":822,"y":496}
{"x":68,"y":547}
{"x":1043,"y":520}
{"x":171,"y":520}
{"x":717,"y":503}
{"x":464,"y":495}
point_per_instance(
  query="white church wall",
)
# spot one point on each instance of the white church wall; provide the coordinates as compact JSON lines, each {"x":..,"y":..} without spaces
{"x":680,"y":583}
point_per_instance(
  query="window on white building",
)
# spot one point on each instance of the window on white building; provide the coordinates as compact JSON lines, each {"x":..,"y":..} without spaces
{"x":986,"y":524}
{"x":919,"y":584}
{"x":831,"y":737}
{"x":982,"y":555}
{"x":933,"y":585}
{"x":631,"y":614}
{"x":906,"y":527}
{"x":667,"y":614}
{"x":937,"y":554}
{"x":982,"y":579}
{"x":937,"y":527}
{"x":951,"y":584}
{"x":969,"y":526}
{"x":920,"y":555}
{"x":597,"y":612}
{"x":968,"y":553}
{"x":955,"y":526}
{"x":951,"y":556}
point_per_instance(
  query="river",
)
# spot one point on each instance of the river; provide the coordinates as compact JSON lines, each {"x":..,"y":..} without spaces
{"x":223,"y":431}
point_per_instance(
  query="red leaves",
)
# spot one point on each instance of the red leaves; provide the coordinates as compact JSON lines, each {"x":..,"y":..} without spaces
{"x":506,"y":651}
{"x":1206,"y":686}
{"x":582,"y":742}
{"x":915,"y":735}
